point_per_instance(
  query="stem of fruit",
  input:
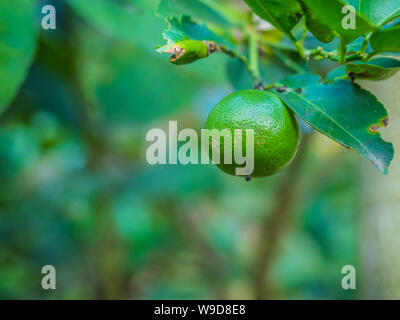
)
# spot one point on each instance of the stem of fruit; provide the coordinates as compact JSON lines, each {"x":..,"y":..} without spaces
{"x":304,"y":34}
{"x":299,"y":48}
{"x":365,"y":43}
{"x":270,"y":86}
{"x":342,"y":52}
{"x":254,"y":66}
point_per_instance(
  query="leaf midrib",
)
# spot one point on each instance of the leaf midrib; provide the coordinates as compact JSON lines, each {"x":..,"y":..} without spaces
{"x":335,"y":122}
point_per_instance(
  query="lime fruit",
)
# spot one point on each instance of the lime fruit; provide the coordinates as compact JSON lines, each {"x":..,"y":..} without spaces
{"x":276,"y":131}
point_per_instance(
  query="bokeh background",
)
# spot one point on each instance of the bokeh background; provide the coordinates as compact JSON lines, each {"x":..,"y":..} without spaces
{"x":76,"y":191}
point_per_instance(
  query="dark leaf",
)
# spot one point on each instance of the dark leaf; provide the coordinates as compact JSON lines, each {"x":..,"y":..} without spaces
{"x":282,"y":14}
{"x":316,"y":26}
{"x":329,"y":13}
{"x":344,"y":112}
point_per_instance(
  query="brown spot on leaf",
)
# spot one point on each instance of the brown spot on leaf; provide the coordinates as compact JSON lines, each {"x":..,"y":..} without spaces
{"x":364,"y":74}
{"x":385,"y":122}
{"x":176,"y":52}
{"x":282,"y":89}
{"x":299,"y":90}
{"x":352,"y":76}
{"x":248,"y":178}
{"x":345,"y":146}
{"x":297,"y":15}
{"x":374,"y":128}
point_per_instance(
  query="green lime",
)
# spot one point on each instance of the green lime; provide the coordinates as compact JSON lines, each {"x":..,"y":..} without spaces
{"x":276,"y":131}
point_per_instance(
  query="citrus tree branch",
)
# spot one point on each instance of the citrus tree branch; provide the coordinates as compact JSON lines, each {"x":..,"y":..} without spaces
{"x":342,"y":52}
{"x":254,"y":58}
{"x":274,"y":224}
{"x":365,"y":43}
{"x":184,"y":221}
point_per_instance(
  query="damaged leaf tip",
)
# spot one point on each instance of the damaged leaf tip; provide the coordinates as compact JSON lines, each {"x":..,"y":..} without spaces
{"x":188,"y":51}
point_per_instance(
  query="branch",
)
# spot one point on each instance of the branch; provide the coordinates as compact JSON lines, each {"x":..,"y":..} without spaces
{"x":342,"y":52}
{"x":300,"y":48}
{"x":254,"y":58}
{"x":191,"y":233}
{"x":272,"y":228}
{"x":365,"y":43}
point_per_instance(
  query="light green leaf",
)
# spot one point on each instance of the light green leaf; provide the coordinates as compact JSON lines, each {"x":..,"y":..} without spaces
{"x":330,"y":14}
{"x":17,"y":46}
{"x":195,"y":9}
{"x":344,"y":112}
{"x":282,"y":14}
{"x":376,"y":69}
{"x":386,"y":40}
{"x":377,"y":12}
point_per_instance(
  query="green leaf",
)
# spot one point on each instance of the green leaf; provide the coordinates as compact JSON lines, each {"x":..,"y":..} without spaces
{"x":197,"y":10}
{"x":330,"y":14}
{"x":301,"y":80}
{"x":316,"y":26}
{"x":376,"y":69}
{"x":386,"y":40}
{"x":282,"y":14}
{"x":344,"y":112}
{"x":377,"y":12}
{"x":338,"y":73}
{"x":17,"y":46}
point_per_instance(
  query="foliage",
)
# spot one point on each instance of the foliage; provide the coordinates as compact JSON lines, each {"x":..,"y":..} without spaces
{"x":320,"y":105}
{"x":76,"y":102}
{"x":316,"y":100}
{"x":17,"y":46}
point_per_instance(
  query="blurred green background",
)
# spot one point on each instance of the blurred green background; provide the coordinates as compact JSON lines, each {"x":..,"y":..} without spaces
{"x":76,"y":191}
